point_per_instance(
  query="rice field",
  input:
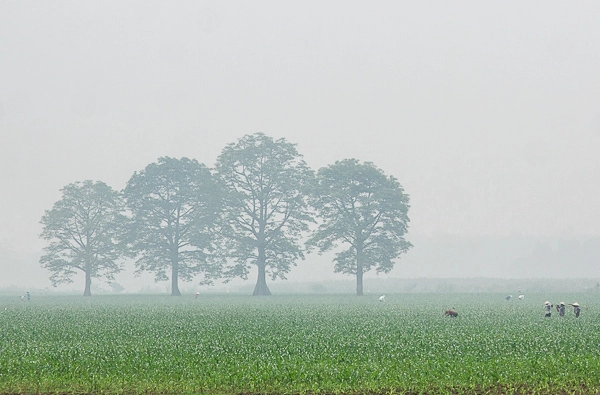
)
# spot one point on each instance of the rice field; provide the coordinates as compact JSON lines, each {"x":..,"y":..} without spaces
{"x":296,"y":344}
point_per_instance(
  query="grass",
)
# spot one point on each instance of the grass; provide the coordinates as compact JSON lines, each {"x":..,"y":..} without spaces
{"x":229,"y":344}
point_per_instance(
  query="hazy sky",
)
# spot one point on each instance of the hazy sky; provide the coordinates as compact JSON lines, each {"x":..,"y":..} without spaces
{"x":487,"y":112}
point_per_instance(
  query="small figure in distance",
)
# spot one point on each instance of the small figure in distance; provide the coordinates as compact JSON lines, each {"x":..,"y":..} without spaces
{"x":28,"y":296}
{"x":548,"y":309}
{"x":561,"y":309}
{"x":451,"y":313}
{"x":509,"y":297}
{"x":576,"y":309}
{"x":197,"y":294}
{"x":521,"y":297}
{"x":382,"y":298}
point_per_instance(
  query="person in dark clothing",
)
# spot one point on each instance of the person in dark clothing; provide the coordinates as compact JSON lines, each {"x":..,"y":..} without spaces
{"x":576,"y":309}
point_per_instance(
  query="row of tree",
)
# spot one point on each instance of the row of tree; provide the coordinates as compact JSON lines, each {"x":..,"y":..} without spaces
{"x":181,"y":220}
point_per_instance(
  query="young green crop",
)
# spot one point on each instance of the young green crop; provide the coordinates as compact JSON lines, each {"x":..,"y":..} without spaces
{"x":295,"y":344}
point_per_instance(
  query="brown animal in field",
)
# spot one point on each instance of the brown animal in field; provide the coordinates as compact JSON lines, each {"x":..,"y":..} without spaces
{"x":451,"y":313}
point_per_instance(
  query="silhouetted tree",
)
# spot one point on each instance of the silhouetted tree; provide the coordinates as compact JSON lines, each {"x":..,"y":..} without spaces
{"x":84,"y":229}
{"x":266,"y":209}
{"x":363,"y":209}
{"x":175,"y":205}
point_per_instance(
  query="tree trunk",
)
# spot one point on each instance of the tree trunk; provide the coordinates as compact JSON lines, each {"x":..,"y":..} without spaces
{"x":359,"y":280}
{"x":359,"y":272}
{"x":261,"y":288}
{"x":88,"y":284}
{"x":175,"y":275}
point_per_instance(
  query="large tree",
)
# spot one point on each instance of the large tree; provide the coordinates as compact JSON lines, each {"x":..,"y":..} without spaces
{"x":363,"y":209}
{"x":84,"y":229}
{"x":175,"y":205}
{"x":266,"y":208}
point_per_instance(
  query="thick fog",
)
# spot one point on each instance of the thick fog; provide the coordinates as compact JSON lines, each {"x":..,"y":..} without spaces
{"x":488,"y":113}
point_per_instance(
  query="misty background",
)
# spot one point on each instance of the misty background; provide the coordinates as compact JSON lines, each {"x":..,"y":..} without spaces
{"x":488,"y":113}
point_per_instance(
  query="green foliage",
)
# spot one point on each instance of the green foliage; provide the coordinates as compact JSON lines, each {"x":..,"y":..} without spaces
{"x":84,"y":229}
{"x":364,"y":209}
{"x":175,"y":204}
{"x":266,"y":207}
{"x":317,"y":344}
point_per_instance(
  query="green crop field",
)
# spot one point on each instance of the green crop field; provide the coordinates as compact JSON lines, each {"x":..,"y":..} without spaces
{"x":342,"y":344}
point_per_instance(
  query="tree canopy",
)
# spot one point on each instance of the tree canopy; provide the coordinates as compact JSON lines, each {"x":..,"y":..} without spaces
{"x":84,"y":229}
{"x":266,"y":207}
{"x":363,"y":209}
{"x":175,"y":206}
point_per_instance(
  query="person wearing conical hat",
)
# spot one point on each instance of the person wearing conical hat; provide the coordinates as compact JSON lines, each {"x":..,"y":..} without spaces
{"x":548,"y":309}
{"x":576,"y":309}
{"x":561,"y":310}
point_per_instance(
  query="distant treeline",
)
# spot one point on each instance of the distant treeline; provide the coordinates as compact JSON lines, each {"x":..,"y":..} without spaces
{"x":378,"y":286}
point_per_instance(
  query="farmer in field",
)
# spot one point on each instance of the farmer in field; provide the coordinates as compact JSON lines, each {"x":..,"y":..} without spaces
{"x":561,"y":309}
{"x":576,"y":309}
{"x":548,"y":309}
